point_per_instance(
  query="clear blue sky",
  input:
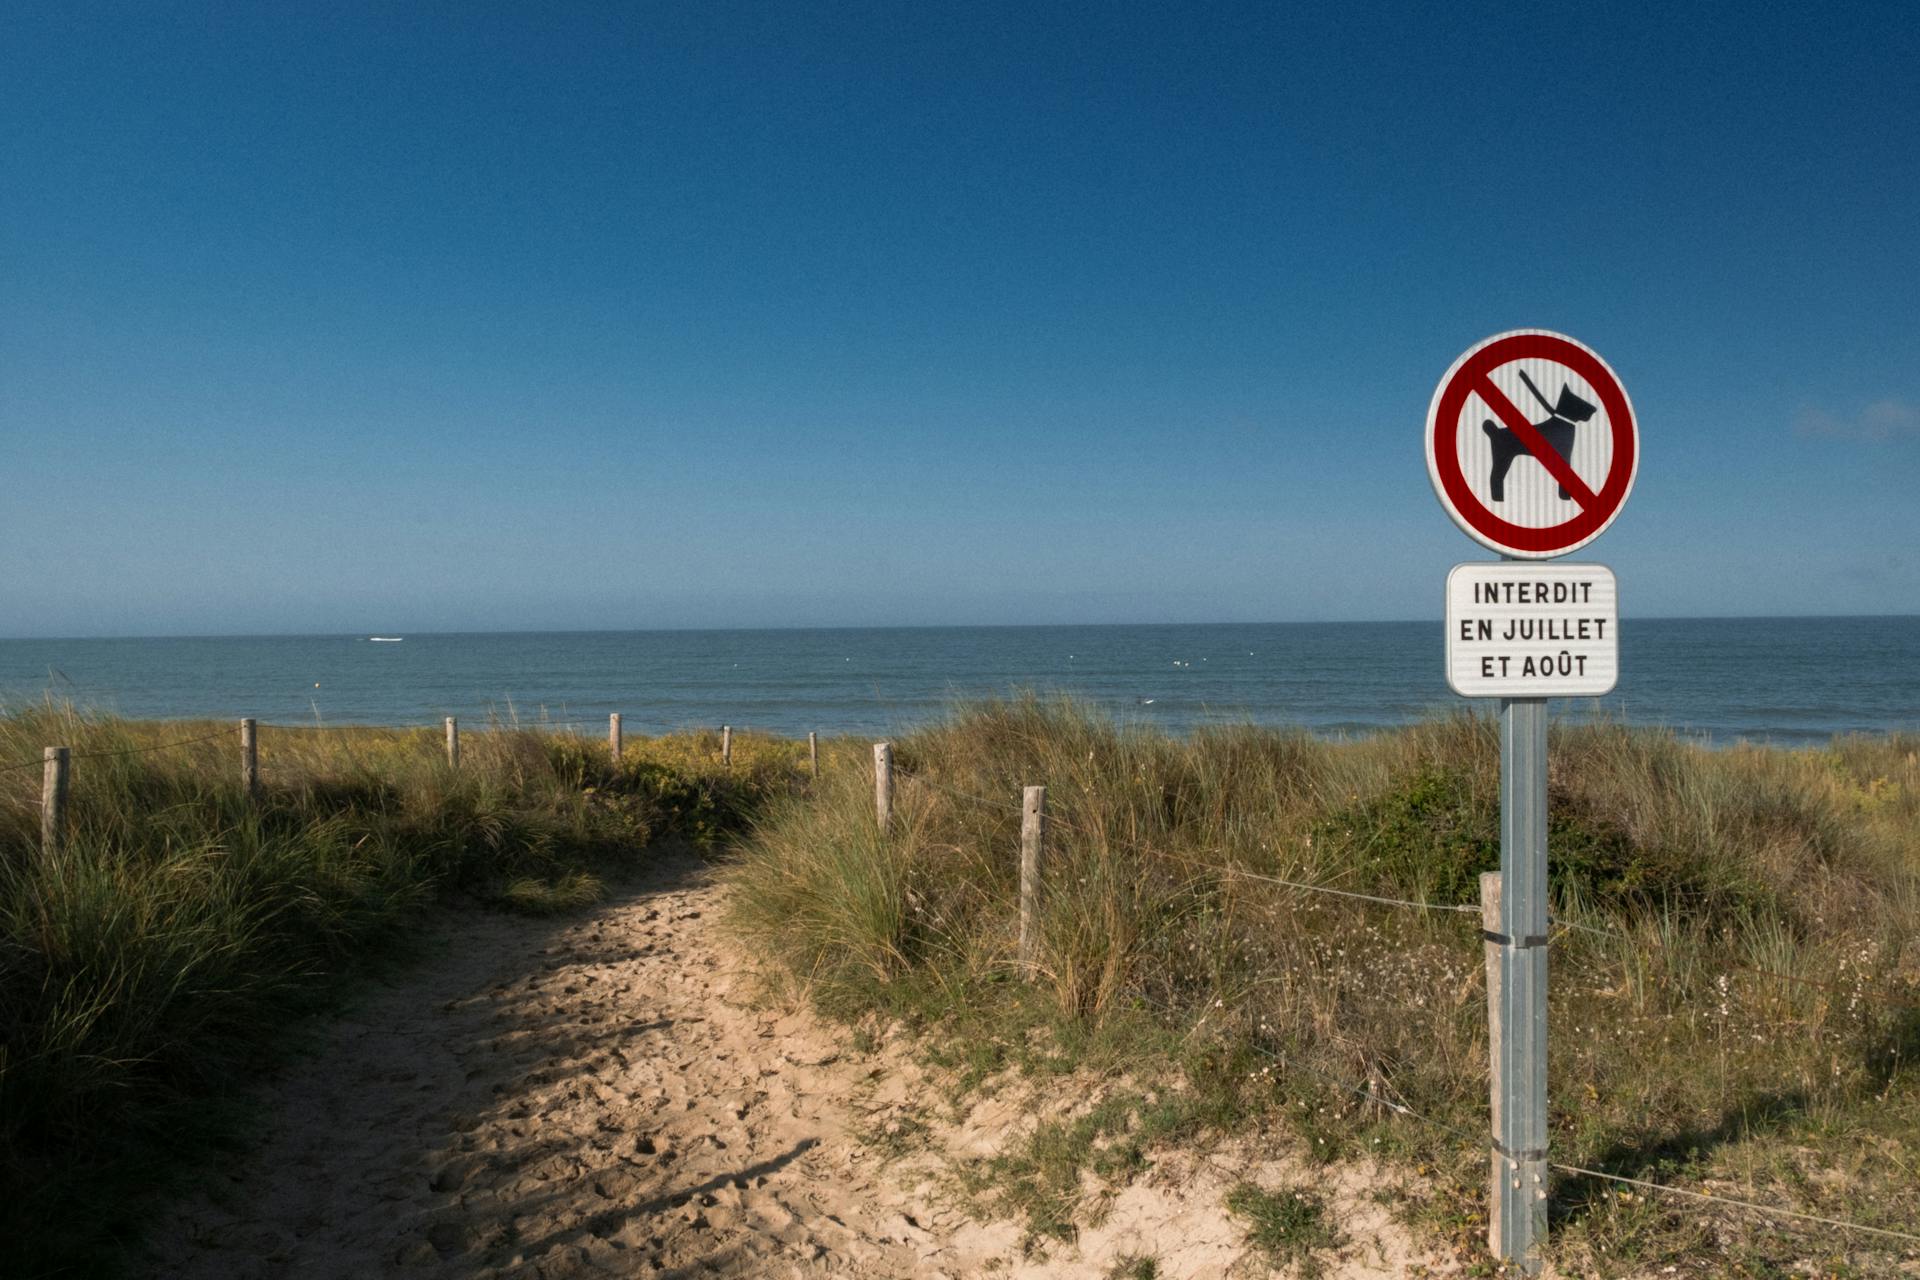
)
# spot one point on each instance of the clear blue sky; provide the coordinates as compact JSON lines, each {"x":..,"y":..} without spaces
{"x":408,"y":317}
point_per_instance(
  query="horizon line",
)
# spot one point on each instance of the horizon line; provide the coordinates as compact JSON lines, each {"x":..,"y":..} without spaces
{"x":909,"y":626}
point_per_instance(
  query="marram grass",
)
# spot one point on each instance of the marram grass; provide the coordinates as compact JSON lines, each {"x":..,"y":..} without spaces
{"x":1740,"y":1012}
{"x":1745,"y":1020}
{"x":152,"y":965}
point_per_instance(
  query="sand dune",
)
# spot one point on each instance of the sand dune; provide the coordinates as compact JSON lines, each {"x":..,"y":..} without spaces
{"x":610,"y":1095}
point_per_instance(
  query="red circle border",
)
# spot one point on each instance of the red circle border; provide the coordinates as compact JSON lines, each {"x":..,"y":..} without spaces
{"x":1549,"y":539}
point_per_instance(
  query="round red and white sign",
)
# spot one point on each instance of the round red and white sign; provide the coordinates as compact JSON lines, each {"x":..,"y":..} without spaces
{"x":1531,"y":444}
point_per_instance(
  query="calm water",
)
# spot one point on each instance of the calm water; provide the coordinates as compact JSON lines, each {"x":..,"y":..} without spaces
{"x":1790,"y":680}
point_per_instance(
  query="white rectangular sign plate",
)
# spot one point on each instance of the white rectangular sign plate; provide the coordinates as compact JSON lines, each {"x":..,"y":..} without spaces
{"x":1520,"y":630}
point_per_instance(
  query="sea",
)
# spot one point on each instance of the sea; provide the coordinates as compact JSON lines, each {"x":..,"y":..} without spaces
{"x":1792,"y":681}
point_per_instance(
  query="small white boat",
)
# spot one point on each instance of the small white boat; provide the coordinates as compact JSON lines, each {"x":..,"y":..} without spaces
{"x":386,"y":639}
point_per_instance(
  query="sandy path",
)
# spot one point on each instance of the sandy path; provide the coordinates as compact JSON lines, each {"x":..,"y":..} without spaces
{"x":601,"y":1096}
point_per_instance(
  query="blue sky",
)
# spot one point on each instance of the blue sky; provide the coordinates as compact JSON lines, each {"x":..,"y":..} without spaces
{"x":385,"y":318}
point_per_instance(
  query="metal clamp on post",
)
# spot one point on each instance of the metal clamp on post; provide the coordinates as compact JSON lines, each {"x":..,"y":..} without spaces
{"x":1520,"y":1157}
{"x":1502,"y":940}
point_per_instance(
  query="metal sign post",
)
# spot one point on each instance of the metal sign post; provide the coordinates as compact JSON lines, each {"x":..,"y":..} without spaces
{"x":1518,"y":1225}
{"x":1530,"y":490}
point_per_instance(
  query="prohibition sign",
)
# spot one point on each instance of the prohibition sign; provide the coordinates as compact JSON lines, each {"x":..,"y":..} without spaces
{"x":1471,"y":501}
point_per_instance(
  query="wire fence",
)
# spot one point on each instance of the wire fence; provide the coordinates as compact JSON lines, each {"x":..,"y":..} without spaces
{"x":1372,"y":1094}
{"x":1242,"y":873}
{"x":1770,"y":1210}
{"x":1060,"y":821}
{"x":122,"y":751}
{"x":923,"y":780}
{"x":1227,"y":868}
{"x":1555,"y":920}
{"x":539,"y":726}
{"x":1369,"y":1094}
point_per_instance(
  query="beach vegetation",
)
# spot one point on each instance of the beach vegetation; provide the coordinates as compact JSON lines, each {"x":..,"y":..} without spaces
{"x":163,"y":955}
{"x":1735,"y":962}
{"x":1291,"y":1226}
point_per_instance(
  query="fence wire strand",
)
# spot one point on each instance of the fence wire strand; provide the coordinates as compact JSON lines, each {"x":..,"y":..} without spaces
{"x":1057,"y":820}
{"x":1232,"y":870}
{"x":1367,"y":1093}
{"x":1555,"y":920}
{"x":1400,"y":1108}
{"x":221,"y":733}
{"x":124,"y":751}
{"x":923,"y":779}
{"x":1738,"y":1204}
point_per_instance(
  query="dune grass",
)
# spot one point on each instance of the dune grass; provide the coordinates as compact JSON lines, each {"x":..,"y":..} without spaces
{"x":1746,"y":1019}
{"x":1289,"y":1226}
{"x":157,"y":961}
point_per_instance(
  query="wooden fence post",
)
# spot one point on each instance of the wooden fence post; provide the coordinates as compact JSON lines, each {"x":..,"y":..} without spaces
{"x":1497,"y":1163}
{"x":883,"y":783}
{"x":1033,"y":836}
{"x":453,"y":741}
{"x":726,"y":745}
{"x":250,"y":758}
{"x":813,"y":754}
{"x":614,"y":743}
{"x":53,"y":800}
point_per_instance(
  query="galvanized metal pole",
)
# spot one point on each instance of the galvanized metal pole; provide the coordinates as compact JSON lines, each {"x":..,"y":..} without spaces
{"x":1520,"y":1038}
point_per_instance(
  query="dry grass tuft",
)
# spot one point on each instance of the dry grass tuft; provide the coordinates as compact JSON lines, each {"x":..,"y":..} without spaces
{"x":160,"y":957}
{"x":1748,"y":1018}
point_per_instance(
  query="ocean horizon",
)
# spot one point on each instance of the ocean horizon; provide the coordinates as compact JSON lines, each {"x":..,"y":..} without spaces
{"x":1795,"y":680}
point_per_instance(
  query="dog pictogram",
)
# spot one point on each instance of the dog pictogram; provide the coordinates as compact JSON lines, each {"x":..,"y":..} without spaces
{"x":1557,"y":431}
{"x":1527,"y":525}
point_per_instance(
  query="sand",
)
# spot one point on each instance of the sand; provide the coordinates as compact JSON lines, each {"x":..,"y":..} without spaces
{"x":616,"y":1093}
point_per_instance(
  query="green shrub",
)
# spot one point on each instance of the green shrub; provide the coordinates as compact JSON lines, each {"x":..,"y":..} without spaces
{"x":1739,"y":1003}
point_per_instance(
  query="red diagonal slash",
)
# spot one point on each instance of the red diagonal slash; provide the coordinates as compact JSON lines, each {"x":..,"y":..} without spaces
{"x":1537,"y":445}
